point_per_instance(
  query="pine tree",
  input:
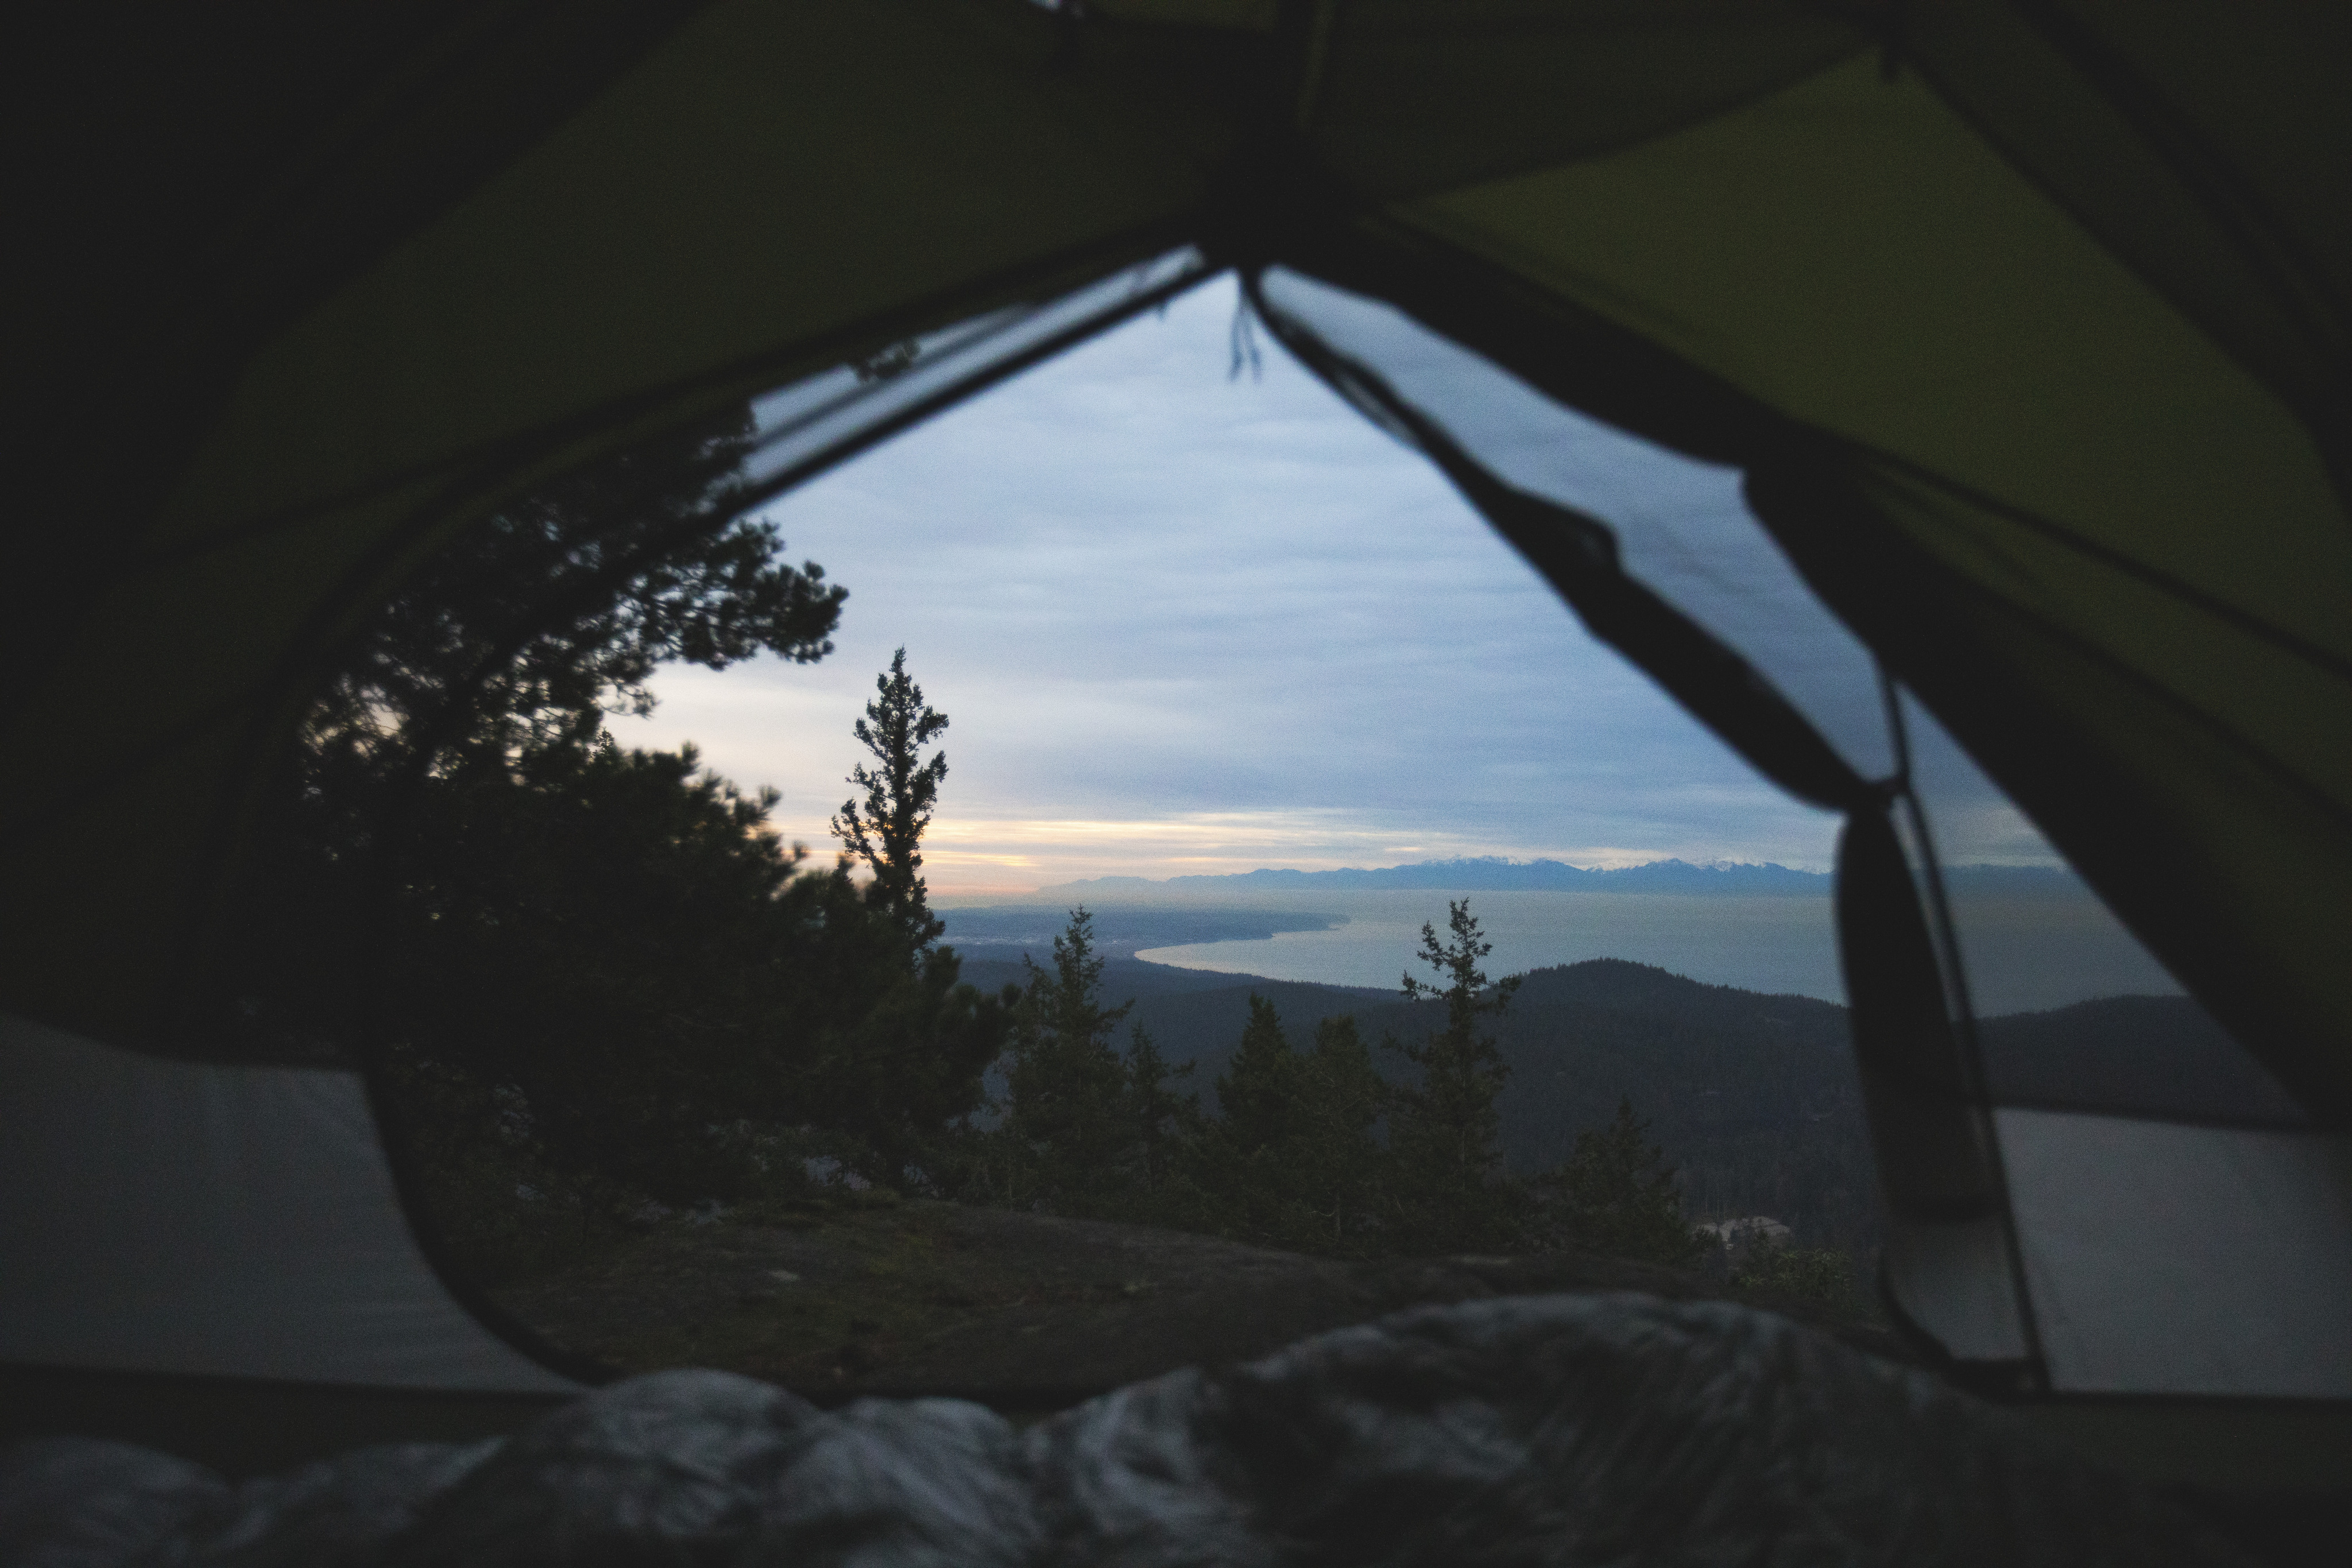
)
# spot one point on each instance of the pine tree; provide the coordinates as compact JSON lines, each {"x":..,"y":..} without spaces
{"x":1340,"y":1161}
{"x":902,"y":1067}
{"x":505,"y":649}
{"x":1063,"y":1125}
{"x":1444,"y":1133}
{"x":1294,"y":1162}
{"x":1249,"y":1170}
{"x":1615,"y":1195}
{"x":899,"y":1046}
{"x":588,"y":932}
{"x":887,"y":833}
{"x":1162,"y":1129}
{"x":1260,"y":1094}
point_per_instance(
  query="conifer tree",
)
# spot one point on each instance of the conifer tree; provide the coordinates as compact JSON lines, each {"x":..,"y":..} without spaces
{"x":1064,"y":1124}
{"x":1162,"y":1126}
{"x":1293,"y":1162}
{"x":1341,"y":1163}
{"x":901,"y":1069}
{"x":1249,"y":1173}
{"x":1444,"y":1133}
{"x":502,"y":653}
{"x":1616,"y":1195}
{"x":1088,"y":1130}
{"x":1260,"y":1094}
{"x":887,"y":833}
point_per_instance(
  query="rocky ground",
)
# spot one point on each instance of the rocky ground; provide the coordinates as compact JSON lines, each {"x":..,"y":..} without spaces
{"x":1023,"y":1311}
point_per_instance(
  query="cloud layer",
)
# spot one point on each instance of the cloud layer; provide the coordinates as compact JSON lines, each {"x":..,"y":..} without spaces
{"x":1187,"y":622}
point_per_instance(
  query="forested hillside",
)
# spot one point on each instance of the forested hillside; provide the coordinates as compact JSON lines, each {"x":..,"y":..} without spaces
{"x":1753,"y":1097}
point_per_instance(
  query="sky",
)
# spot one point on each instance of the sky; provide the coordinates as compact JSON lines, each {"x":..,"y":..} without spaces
{"x":1184,"y":621}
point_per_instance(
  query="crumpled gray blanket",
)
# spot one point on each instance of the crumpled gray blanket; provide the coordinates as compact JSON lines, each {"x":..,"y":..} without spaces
{"x":1558,"y":1430}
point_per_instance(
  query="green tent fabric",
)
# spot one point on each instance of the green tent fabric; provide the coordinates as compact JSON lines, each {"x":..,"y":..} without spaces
{"x":772,"y":189}
{"x":2027,"y":323}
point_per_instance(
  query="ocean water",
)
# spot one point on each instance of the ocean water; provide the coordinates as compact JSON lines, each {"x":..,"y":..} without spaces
{"x":1762,"y":944}
{"x":2020,"y":954}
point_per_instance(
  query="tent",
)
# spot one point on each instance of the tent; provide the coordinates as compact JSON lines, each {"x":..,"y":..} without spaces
{"x":2028,"y":324}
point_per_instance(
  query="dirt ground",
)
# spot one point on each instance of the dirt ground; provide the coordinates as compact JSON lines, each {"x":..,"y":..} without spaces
{"x":1023,"y":1311}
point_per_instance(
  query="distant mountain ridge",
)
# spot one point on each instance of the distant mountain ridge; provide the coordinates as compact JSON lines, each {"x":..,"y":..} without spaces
{"x":1490,"y":873}
{"x":1494,"y":873}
